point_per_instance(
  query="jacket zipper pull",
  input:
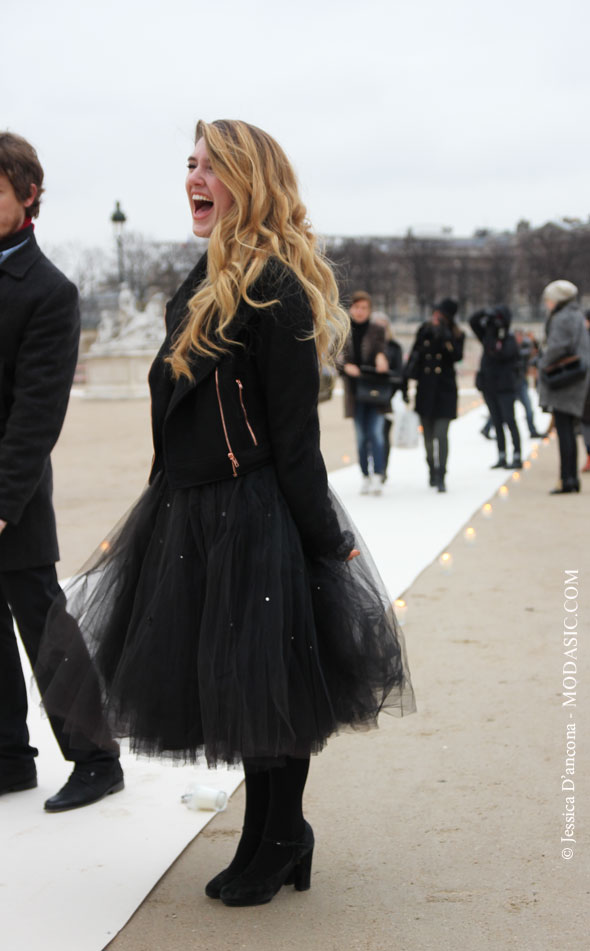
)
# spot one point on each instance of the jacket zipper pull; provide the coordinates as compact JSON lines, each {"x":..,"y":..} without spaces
{"x":234,"y":463}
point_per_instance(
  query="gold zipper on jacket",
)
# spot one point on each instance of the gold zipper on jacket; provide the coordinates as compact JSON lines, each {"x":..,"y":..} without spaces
{"x":250,"y":430}
{"x":234,"y":462}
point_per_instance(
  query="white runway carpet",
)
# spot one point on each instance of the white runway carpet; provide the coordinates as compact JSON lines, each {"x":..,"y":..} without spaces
{"x":69,"y":882}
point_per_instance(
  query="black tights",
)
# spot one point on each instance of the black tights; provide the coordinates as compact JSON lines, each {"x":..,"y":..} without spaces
{"x":436,"y":431}
{"x":274,"y":810}
{"x":274,"y":798}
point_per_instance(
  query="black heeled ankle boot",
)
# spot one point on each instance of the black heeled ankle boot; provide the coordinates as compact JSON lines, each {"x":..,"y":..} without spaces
{"x":247,"y":849}
{"x":440,"y":482}
{"x":258,"y":885}
{"x":433,"y":481}
{"x":501,"y":463}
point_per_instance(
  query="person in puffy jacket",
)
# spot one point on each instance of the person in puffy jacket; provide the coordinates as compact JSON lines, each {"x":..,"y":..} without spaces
{"x":497,"y":377}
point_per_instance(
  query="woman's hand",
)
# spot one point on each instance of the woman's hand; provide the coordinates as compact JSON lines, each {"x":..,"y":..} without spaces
{"x":381,"y":363}
{"x":354,"y":553}
{"x":351,"y":369}
{"x":2,"y":525}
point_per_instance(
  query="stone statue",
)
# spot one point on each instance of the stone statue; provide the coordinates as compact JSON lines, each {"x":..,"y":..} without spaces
{"x":130,"y":329}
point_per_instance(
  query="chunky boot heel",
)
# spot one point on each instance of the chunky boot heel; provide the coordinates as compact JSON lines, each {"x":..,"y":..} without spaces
{"x":302,"y":873}
{"x":256,"y":886}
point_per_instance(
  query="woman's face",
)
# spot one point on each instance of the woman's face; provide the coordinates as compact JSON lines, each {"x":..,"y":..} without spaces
{"x":208,"y":197}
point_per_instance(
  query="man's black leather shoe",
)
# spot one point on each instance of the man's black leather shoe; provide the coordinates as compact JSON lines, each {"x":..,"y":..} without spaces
{"x":88,"y":783}
{"x":17,"y":777}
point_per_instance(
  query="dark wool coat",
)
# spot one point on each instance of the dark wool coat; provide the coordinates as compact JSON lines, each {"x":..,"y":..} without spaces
{"x":373,"y":342}
{"x":39,"y":333}
{"x":256,"y":405}
{"x":498,"y":371}
{"x":431,"y":362}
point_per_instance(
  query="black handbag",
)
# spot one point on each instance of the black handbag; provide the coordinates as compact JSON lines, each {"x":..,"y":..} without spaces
{"x":376,"y":389}
{"x":564,"y":372}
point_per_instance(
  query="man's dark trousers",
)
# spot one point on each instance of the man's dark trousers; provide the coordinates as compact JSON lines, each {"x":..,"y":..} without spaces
{"x":28,"y":594}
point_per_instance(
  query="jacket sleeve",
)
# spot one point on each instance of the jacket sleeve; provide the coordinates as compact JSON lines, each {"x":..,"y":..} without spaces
{"x":379,"y":344}
{"x":345,"y":356}
{"x":562,"y":340}
{"x":454,"y":344}
{"x":395,"y":357}
{"x":413,"y":363}
{"x":44,"y":373}
{"x":477,"y":322}
{"x":288,"y":369}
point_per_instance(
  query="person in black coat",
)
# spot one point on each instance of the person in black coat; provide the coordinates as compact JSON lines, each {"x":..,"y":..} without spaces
{"x":231,"y":616}
{"x":39,"y":331}
{"x":498,"y":376}
{"x":437,"y":348}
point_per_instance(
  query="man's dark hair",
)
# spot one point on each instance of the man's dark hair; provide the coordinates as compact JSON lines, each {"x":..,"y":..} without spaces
{"x":21,"y":165}
{"x":361,"y":295}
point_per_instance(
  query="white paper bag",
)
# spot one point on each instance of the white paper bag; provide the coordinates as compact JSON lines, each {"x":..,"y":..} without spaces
{"x":405,"y":426}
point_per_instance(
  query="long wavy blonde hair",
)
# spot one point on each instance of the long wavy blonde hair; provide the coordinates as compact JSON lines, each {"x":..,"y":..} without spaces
{"x":267,"y":219}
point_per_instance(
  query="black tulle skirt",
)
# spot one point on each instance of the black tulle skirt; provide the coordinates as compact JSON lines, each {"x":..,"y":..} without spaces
{"x":207,"y":632}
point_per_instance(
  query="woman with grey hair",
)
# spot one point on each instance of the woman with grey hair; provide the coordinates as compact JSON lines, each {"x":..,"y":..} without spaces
{"x":566,"y":336}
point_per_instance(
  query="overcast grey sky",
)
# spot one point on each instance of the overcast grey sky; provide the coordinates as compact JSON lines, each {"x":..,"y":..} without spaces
{"x":395,"y":114}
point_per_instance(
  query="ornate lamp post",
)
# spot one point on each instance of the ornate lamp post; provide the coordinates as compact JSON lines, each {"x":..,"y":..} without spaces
{"x":118,"y":219}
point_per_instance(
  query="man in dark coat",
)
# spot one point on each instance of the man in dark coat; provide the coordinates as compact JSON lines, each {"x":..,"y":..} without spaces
{"x":365,"y":347}
{"x":39,"y":332}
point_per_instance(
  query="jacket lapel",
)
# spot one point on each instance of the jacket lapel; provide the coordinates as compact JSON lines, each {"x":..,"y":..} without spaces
{"x":184,"y":386}
{"x":18,"y":264}
{"x":202,"y":366}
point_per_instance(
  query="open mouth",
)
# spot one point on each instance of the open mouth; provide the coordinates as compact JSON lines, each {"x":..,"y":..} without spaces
{"x":201,"y":205}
